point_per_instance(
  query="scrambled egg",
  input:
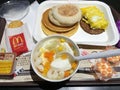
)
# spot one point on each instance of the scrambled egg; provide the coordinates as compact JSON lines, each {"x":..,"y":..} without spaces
{"x":94,"y":17}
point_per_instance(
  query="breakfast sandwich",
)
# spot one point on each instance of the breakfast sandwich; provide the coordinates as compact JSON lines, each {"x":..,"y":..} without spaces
{"x":93,"y":20}
{"x":61,"y":19}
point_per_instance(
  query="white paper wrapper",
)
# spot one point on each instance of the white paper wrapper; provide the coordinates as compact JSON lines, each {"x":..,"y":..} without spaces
{"x":104,"y":69}
{"x":14,"y":32}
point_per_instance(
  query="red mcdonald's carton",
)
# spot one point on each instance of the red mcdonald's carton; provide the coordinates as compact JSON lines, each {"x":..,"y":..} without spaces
{"x":18,"y":38}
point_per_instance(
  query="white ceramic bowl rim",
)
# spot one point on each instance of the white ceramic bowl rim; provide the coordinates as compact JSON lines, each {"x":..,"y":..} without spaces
{"x":43,"y":40}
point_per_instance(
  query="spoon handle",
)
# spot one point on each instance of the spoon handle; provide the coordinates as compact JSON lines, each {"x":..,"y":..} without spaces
{"x":103,"y":54}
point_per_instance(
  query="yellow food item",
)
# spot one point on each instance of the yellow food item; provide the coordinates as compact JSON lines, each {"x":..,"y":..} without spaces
{"x":74,"y":65}
{"x":95,"y":17}
{"x":60,"y":48}
{"x":67,"y":73}
{"x":62,"y":40}
{"x":5,"y":66}
{"x":15,"y":24}
{"x":49,"y":55}
{"x":64,"y":57}
{"x":2,"y":50}
{"x":46,"y":69}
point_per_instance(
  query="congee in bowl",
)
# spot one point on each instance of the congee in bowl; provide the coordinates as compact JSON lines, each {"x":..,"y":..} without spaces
{"x":48,"y":65}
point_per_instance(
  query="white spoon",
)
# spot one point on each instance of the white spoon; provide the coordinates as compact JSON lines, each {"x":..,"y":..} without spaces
{"x":103,"y":54}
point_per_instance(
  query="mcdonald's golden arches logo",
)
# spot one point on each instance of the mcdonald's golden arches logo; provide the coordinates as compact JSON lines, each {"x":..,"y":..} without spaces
{"x":17,"y":40}
{"x":18,"y":43}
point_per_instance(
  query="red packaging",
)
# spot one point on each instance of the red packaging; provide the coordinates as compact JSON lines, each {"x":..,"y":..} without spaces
{"x":18,"y":39}
{"x":18,"y":43}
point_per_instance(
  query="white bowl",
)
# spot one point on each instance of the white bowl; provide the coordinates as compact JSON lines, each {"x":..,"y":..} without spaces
{"x":40,"y":43}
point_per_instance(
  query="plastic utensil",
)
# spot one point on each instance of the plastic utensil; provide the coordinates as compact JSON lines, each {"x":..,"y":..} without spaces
{"x":102,"y":54}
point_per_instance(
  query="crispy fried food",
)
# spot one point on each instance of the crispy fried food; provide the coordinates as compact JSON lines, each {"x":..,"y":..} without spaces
{"x":114,"y":59}
{"x":105,"y":69}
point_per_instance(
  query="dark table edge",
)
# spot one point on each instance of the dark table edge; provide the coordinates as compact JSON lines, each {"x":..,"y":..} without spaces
{"x":66,"y":83}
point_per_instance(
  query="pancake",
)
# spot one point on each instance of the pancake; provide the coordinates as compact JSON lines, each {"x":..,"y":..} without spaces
{"x":69,"y":33}
{"x":53,"y":27}
{"x":86,"y":28}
